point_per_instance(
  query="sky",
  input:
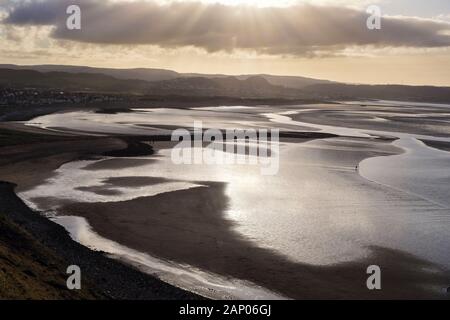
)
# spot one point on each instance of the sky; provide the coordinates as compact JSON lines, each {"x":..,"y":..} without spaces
{"x":326,"y":39}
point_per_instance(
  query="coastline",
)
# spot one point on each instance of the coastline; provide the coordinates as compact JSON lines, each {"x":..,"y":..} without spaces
{"x":104,"y":277}
{"x":207,"y":231}
{"x":410,"y":277}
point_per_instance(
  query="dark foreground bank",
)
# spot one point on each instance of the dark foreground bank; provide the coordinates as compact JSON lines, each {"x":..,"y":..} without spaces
{"x":35,"y":253}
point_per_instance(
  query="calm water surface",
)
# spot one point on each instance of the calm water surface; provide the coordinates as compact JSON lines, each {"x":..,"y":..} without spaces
{"x":319,"y":209}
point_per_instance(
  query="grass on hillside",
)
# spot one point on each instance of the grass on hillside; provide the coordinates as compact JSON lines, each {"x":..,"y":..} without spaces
{"x":28,"y":270}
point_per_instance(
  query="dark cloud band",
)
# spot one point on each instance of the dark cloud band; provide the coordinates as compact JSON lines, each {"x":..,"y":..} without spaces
{"x":295,"y":30}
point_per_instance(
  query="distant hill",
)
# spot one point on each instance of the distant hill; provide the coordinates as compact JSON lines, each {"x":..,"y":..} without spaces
{"x":223,"y":86}
{"x":250,"y":87}
{"x":294,"y":82}
{"x":382,"y":92}
{"x":253,"y":87}
{"x":147,"y":74}
{"x":124,"y":74}
{"x":291,"y":81}
{"x":69,"y":81}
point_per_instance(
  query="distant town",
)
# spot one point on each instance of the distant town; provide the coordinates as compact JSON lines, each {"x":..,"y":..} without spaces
{"x":42,"y":97}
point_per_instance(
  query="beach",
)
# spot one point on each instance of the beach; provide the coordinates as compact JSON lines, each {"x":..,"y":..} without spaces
{"x":45,"y":248}
{"x":194,"y":226}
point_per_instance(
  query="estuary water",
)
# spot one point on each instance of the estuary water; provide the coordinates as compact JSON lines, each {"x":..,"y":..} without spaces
{"x":329,"y":202}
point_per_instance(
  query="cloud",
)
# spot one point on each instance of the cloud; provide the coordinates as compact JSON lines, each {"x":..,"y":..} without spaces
{"x":296,"y":30}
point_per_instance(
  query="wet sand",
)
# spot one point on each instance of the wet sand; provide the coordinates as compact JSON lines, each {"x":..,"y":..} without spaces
{"x":189,"y":226}
{"x":38,"y":250}
{"x":432,"y":121}
{"x":444,"y":146}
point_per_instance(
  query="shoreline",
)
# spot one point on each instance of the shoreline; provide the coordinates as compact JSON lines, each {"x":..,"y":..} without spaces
{"x":320,"y":282}
{"x":110,"y":278}
{"x":196,"y":234}
{"x":201,"y":282}
{"x":105,"y":277}
{"x":63,"y":149}
{"x":10,"y":113}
